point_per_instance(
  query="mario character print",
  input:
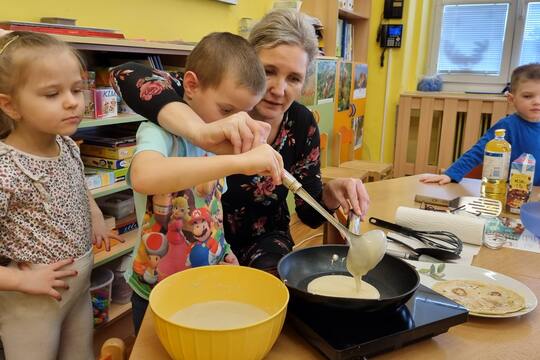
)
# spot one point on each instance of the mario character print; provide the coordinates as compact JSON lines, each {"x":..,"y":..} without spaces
{"x":175,"y":259}
{"x":156,"y":247}
{"x":204,"y":248}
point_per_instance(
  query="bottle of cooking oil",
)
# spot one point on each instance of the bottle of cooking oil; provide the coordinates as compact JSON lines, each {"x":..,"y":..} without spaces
{"x":496,"y":166}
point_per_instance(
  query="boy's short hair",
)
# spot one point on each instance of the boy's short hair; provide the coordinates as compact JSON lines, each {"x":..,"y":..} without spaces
{"x":524,"y":72}
{"x":222,"y":53}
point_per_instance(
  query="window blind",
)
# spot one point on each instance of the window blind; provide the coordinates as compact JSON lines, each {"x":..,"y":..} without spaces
{"x":530,"y":47}
{"x":472,"y":38}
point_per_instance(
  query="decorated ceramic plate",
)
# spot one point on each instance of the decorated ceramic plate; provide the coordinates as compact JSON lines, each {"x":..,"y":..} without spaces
{"x":478,"y":279}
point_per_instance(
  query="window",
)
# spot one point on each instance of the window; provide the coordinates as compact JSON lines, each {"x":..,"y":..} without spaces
{"x":530,"y":43}
{"x":476,"y":43}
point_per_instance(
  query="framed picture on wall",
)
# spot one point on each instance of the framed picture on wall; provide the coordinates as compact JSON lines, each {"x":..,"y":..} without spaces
{"x":358,"y":131}
{"x":309,"y":91}
{"x":326,"y":81}
{"x":345,"y":74}
{"x":360,"y":81}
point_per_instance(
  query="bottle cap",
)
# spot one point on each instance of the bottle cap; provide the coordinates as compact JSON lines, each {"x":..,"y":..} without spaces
{"x":500,"y":132}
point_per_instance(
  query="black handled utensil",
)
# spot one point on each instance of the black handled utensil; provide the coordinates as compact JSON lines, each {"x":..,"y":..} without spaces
{"x":409,"y":256}
{"x":439,"y":254}
{"x":444,"y":240}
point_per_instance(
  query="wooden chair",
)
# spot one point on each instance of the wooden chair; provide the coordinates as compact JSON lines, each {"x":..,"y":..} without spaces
{"x":333,"y":172}
{"x":375,"y":170}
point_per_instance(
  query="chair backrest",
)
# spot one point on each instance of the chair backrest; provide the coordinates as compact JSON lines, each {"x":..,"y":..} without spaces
{"x":343,"y":146}
{"x":324,"y":149}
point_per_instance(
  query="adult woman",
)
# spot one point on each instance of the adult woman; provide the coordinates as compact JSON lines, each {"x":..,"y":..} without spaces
{"x":256,"y":214}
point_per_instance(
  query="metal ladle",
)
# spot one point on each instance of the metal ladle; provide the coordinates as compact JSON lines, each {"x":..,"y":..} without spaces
{"x":290,"y":182}
{"x":374,"y":239}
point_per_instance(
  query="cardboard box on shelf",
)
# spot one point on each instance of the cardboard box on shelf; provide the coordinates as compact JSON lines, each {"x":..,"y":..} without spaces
{"x":100,"y":103}
{"x":117,"y":152}
{"x":96,"y":179}
{"x":127,"y":223}
{"x":104,"y":163}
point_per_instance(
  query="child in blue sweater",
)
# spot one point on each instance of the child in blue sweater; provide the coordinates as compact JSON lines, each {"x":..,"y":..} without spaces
{"x":522,"y":128}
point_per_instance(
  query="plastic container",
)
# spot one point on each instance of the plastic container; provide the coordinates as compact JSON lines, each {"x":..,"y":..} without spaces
{"x":118,"y":205}
{"x":121,"y":291}
{"x":100,"y":291}
{"x":495,"y":167}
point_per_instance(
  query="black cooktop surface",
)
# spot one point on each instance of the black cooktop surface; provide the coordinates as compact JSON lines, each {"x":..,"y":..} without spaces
{"x":346,"y":335}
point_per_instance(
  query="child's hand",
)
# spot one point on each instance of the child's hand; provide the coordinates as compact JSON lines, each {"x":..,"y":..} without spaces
{"x":98,"y":240}
{"x":440,"y":179}
{"x":238,"y":130}
{"x":100,"y":233}
{"x":45,"y":280}
{"x":263,"y":160}
{"x":230,"y":259}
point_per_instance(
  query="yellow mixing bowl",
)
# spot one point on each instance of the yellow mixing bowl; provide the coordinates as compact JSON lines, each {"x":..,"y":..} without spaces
{"x":219,"y":283}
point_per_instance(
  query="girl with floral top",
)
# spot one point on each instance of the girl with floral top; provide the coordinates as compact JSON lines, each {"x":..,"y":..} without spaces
{"x":47,"y":216}
{"x":256,"y":216}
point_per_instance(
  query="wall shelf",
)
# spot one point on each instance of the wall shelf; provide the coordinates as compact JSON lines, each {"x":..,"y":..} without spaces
{"x":118,"y":250}
{"x":351,"y":15}
{"x":118,"y":310}
{"x":105,"y":52}
{"x":120,"y":119}
{"x":109,"y":189}
{"x":127,"y":46}
{"x":329,"y":13}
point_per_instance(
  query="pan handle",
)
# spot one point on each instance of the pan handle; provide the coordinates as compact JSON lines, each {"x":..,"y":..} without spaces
{"x":390,"y":226}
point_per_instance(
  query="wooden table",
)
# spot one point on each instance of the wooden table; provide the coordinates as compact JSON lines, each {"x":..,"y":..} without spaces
{"x":480,"y":338}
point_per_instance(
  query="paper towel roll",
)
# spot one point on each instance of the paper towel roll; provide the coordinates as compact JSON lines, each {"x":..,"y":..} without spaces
{"x":469,"y":229}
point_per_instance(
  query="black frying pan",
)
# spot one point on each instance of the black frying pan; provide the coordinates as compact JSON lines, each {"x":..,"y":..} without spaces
{"x":394,"y":278}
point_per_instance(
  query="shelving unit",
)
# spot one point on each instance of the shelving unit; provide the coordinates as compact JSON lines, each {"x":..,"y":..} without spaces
{"x":127,"y":46}
{"x":110,"y":189}
{"x":351,"y":15}
{"x":106,"y":52}
{"x":328,"y":12}
{"x":118,"y":310}
{"x":118,"y":250}
{"x":120,"y":119}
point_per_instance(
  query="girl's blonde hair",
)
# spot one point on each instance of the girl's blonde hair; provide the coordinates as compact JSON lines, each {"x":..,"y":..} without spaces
{"x":285,"y":27}
{"x":14,"y":64}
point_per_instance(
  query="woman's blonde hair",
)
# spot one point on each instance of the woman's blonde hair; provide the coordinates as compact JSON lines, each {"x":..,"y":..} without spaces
{"x":14,"y":64}
{"x":285,"y":27}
